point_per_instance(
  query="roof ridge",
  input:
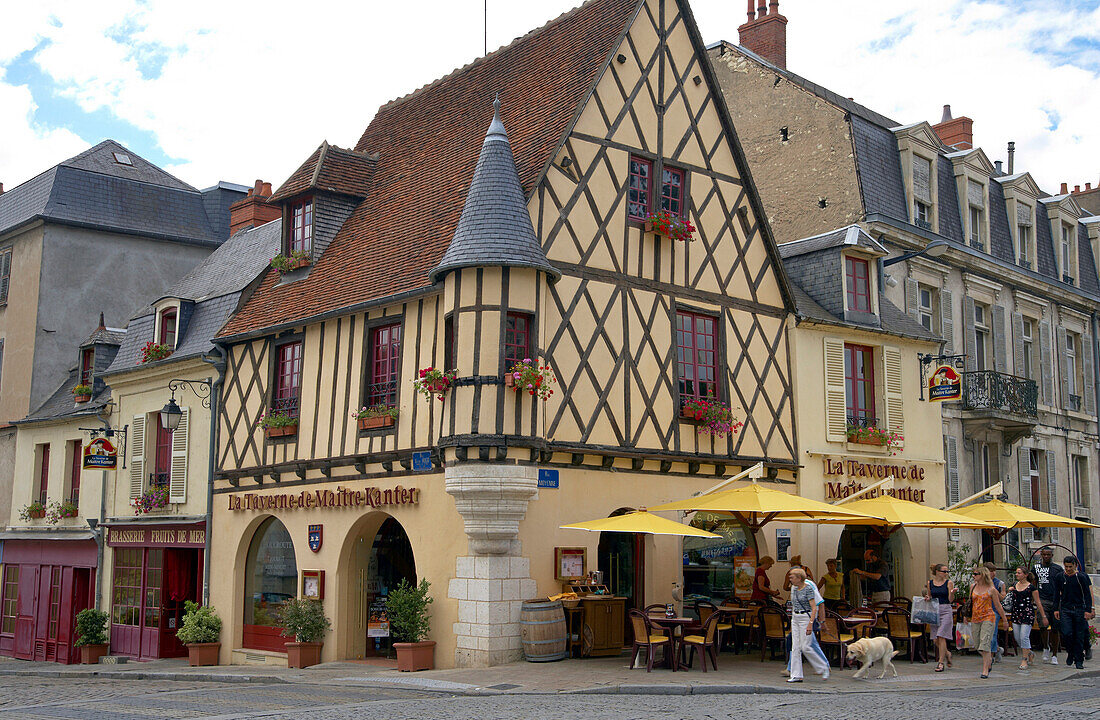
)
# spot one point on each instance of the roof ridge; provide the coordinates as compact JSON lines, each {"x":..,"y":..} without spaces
{"x":320,"y":162}
{"x":479,"y":60}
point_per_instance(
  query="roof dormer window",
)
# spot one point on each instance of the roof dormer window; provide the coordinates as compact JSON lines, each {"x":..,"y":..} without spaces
{"x":858,"y":284}
{"x":922,"y":192}
{"x":1025,"y":238}
{"x":87,"y":366}
{"x":1068,"y":254}
{"x":300,"y":237}
{"x":975,"y":198}
{"x":168,"y":317}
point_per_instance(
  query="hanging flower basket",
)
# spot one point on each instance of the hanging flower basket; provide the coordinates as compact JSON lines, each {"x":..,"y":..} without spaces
{"x":33,"y":510}
{"x":375,"y":417}
{"x":155,"y":499}
{"x":154,"y":351}
{"x":278,"y":423}
{"x":531,"y":378}
{"x":713,"y":417}
{"x":432,"y":382}
{"x":670,"y":226}
{"x":289,"y":263}
{"x":82,"y":393}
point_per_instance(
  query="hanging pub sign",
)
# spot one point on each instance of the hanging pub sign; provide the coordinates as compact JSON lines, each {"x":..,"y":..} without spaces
{"x":316,"y":537}
{"x":100,"y":453}
{"x":945,"y":384}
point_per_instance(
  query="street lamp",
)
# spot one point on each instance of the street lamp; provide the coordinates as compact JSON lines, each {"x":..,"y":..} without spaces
{"x":171,"y":413}
{"x":936,"y":248}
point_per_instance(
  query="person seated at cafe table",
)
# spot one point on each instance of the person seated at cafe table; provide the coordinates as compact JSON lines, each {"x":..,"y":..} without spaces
{"x":796,"y":562}
{"x":761,"y":585}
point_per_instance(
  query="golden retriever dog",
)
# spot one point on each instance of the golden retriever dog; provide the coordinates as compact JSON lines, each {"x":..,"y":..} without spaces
{"x":871,"y":650}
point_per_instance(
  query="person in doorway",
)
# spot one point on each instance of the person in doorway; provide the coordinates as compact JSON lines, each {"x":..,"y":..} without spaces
{"x":877,"y":576}
{"x":761,"y":585}
{"x":796,"y":562}
{"x":1023,"y":607}
{"x":941,"y":588}
{"x":998,"y":651}
{"x":985,"y":604}
{"x":831,"y":584}
{"x":1073,"y":609}
{"x":1047,"y":573}
{"x":804,"y":609}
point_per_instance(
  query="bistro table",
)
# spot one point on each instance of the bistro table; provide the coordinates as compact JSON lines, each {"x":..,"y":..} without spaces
{"x":861,"y":620}
{"x":671,"y":624}
{"x":738,"y":613}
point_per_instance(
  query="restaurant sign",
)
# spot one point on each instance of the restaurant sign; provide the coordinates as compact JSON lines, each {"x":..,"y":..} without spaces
{"x":341,"y":497}
{"x":100,"y":453}
{"x":860,"y":474}
{"x":945,"y":384}
{"x":192,"y":536}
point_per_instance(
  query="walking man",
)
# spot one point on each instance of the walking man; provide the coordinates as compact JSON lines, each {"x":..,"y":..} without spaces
{"x":1047,"y":573}
{"x":1073,"y":609}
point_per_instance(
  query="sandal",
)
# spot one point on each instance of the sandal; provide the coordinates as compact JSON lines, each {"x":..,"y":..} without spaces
{"x":949,"y":656}
{"x":939,"y":667}
{"x":984,"y":677}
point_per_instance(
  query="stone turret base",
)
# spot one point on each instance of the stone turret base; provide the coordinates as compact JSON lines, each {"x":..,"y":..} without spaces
{"x":490,"y":593}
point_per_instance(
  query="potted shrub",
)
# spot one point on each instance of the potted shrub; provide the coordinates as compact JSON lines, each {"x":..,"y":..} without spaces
{"x":304,"y":620}
{"x":279,"y":423}
{"x":55,"y":511}
{"x":155,"y":499}
{"x":670,"y":226}
{"x":432,"y":382}
{"x":407,"y":610}
{"x":712,"y":416}
{"x":154,"y":351}
{"x":91,"y":635}
{"x":200,"y":632}
{"x":82,"y":393}
{"x":289,"y":263}
{"x":34,"y":510}
{"x":532,"y":378}
{"x":375,"y":416}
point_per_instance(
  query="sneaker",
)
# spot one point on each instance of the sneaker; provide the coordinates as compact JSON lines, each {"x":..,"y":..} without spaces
{"x":794,"y":680}
{"x":1053,"y":660}
{"x":1079,"y":665}
{"x":825,"y":675}
{"x":1046,"y":656}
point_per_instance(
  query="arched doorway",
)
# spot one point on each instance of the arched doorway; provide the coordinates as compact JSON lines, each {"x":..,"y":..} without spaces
{"x":381,"y":557}
{"x":719,"y":568}
{"x":621,"y":557}
{"x":270,"y":579}
{"x":855,"y":541}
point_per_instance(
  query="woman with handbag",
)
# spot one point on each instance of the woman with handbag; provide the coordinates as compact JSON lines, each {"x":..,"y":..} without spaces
{"x":941,"y":588}
{"x":985,"y":606}
{"x":1022,"y":603}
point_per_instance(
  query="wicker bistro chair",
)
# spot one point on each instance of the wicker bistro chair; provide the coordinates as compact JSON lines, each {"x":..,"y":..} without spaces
{"x":864,"y":630}
{"x":648,"y":637}
{"x":842,"y":607}
{"x":902,"y":603}
{"x":898,"y":630}
{"x":773,"y":629}
{"x":835,"y":634}
{"x":746,"y":627}
{"x":707,"y":609}
{"x":707,"y":643}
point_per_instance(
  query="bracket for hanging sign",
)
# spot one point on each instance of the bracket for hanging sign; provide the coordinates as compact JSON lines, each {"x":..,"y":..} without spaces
{"x":956,"y":361}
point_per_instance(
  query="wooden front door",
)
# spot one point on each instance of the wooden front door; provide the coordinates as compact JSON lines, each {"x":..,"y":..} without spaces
{"x":136,"y":602}
{"x":27,"y":607}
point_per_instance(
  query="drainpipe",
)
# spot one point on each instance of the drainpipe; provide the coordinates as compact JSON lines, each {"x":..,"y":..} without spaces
{"x":98,"y":531}
{"x":218,"y":362}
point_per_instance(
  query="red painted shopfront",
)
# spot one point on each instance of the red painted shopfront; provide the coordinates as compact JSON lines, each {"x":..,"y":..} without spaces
{"x":43,"y":585}
{"x":155,"y":570}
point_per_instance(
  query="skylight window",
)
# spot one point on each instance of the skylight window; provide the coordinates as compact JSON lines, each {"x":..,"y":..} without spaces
{"x":123,"y":159}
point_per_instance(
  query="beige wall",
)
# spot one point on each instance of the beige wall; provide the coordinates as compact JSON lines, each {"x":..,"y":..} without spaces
{"x":18,"y":323}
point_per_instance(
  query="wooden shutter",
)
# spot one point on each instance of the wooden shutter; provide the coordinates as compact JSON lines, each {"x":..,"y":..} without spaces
{"x":1000,"y":349}
{"x":1052,"y":490}
{"x":970,"y":339}
{"x":951,"y":466}
{"x":947,"y":322}
{"x":893,"y":389}
{"x":1043,"y":366}
{"x":1089,"y":391}
{"x":912,"y":298}
{"x":177,"y":478}
{"x":836,"y":404}
{"x":1063,"y":365}
{"x":137,"y":456}
{"x":1023,"y":461}
{"x":5,"y":274}
{"x":922,"y":180}
{"x":1018,"y":344}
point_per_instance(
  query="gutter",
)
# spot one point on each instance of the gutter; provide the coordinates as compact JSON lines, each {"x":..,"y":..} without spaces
{"x":98,"y":531}
{"x":218,"y":363}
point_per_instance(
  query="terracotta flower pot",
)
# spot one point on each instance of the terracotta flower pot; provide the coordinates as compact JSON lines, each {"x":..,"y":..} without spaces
{"x":867,"y":440}
{"x":415,"y":656}
{"x":652,"y":227}
{"x":90,"y":654}
{"x":199,"y":654}
{"x":371,"y":423}
{"x":37,"y":514}
{"x":281,"y":431}
{"x":303,"y":654}
{"x":509,"y":380}
{"x":82,"y":398}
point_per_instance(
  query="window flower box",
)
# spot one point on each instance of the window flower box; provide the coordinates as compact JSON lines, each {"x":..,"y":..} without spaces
{"x":712,"y":416}
{"x":296,"y":260}
{"x":432,"y":382}
{"x":154,"y":351}
{"x":874,"y":436}
{"x":33,"y":510}
{"x":375,"y":417}
{"x":155,"y":499}
{"x":56,"y":511}
{"x":530,"y":377}
{"x":82,"y":393}
{"x":278,"y":423}
{"x":671,"y":226}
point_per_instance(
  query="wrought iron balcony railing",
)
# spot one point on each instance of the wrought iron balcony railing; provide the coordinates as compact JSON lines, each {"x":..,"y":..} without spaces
{"x":1075,"y":402}
{"x":862,"y":421}
{"x":988,"y":390}
{"x":158,"y":479}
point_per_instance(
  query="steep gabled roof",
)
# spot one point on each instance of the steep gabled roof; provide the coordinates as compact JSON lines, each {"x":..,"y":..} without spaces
{"x":333,"y":169}
{"x":428,"y":144}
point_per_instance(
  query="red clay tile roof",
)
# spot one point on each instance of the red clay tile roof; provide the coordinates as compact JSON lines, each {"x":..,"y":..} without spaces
{"x":331,"y":168}
{"x":428,"y":144}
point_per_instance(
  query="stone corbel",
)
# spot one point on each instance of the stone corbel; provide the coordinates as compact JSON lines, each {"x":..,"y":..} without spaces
{"x":492,"y":499}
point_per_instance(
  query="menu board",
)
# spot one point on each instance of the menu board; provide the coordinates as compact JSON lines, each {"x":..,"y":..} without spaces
{"x":378,"y":622}
{"x":744,"y":572}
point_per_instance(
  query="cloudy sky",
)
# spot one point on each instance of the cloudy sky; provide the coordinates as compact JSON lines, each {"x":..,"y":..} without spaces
{"x":226,"y":90}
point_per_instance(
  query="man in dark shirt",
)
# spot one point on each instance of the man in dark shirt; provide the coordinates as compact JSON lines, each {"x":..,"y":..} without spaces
{"x":1046,"y":573}
{"x":877,"y":576}
{"x":1073,"y":609}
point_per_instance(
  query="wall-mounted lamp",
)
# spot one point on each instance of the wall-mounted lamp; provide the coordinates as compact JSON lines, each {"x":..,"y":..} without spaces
{"x":171,"y":413}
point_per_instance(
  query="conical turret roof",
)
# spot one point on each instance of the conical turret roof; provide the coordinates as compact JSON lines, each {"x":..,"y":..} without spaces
{"x":495,"y":228}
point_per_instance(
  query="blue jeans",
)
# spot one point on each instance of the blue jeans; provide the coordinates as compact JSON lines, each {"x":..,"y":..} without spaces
{"x":996,"y":627}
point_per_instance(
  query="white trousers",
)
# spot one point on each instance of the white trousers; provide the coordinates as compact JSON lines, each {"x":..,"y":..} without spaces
{"x":801,"y":644}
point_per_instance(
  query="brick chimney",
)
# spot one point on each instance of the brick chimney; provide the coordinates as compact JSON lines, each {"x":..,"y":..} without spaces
{"x":765,"y":33}
{"x":956,"y":132}
{"x":254,"y":210}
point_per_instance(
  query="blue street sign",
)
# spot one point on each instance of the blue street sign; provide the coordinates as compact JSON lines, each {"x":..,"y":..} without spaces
{"x":548,"y":479}
{"x":422,"y":461}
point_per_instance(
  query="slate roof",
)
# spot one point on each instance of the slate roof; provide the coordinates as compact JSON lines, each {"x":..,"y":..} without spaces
{"x":105,"y":335}
{"x":93,"y":190}
{"x":333,"y":169}
{"x":495,"y":227}
{"x":428,"y":144}
{"x":893,"y":320}
{"x":851,"y":235}
{"x":61,"y":405}
{"x":215,"y":286}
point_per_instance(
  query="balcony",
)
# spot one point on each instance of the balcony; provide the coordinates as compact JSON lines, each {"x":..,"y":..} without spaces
{"x":1000,"y":402}
{"x":1075,"y":403}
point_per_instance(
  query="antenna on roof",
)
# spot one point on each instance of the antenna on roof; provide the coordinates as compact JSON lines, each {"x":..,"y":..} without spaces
{"x":485,"y":47}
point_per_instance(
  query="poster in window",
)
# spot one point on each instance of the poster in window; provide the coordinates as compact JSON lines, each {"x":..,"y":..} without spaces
{"x":744,"y":572}
{"x":378,"y":622}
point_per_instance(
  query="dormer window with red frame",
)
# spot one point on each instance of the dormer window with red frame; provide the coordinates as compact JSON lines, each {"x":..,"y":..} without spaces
{"x":87,"y":365}
{"x":300,"y":238}
{"x":168,"y":327}
{"x":857,"y":275}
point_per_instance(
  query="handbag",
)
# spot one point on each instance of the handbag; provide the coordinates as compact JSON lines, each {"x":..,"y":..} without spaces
{"x":925,"y":612}
{"x":1007,"y":602}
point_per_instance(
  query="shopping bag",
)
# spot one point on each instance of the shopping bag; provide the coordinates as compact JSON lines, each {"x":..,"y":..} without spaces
{"x":925,"y":612}
{"x":963,"y":636}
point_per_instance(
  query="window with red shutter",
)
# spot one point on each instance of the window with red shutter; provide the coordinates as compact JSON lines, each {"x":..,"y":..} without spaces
{"x":517,"y":339}
{"x":288,"y":377}
{"x":301,"y":226}
{"x":162,"y":458}
{"x":859,"y":383}
{"x":168,"y":327}
{"x":87,"y":365}
{"x":859,"y":284}
{"x":385,"y":364}
{"x":697,"y":355}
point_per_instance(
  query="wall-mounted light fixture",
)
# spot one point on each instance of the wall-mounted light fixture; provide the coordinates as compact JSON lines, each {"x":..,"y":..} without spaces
{"x":171,"y":413}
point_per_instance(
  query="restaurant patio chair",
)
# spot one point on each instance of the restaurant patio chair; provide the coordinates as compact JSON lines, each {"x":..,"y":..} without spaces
{"x":902,"y":603}
{"x":705,"y":610}
{"x":899,"y":630}
{"x":773,"y":629}
{"x":707,"y":642}
{"x":648,"y":637}
{"x":864,"y":629}
{"x":842,"y":607}
{"x":835,"y":634}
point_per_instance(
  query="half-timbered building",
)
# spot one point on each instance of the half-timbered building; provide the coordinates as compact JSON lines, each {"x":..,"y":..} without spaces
{"x":435,"y":244}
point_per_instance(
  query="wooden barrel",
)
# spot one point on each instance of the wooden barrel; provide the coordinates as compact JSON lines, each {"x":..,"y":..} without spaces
{"x":542,"y":627}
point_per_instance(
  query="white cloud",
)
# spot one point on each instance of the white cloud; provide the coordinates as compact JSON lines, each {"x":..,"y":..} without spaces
{"x":27,"y":149}
{"x":247,"y":91}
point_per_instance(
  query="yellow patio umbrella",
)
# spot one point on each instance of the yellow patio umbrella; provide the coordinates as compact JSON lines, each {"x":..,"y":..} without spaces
{"x":895,"y":513}
{"x":639,"y":522}
{"x":1007,"y":516}
{"x":756,"y":505}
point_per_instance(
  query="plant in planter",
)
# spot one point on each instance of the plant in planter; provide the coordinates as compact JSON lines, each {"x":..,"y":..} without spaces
{"x":871,"y":435}
{"x":91,"y":635}
{"x":152,"y":351}
{"x":713,"y":416}
{"x":432,"y":382}
{"x":375,"y":416}
{"x":530,"y":377}
{"x":289,"y":263}
{"x":82,"y":393}
{"x":201,"y":633}
{"x":407,"y":609}
{"x":669,"y":225}
{"x":34,"y":510}
{"x":278,"y":423}
{"x":155,"y":499}
{"x":55,"y":511}
{"x":304,"y":620}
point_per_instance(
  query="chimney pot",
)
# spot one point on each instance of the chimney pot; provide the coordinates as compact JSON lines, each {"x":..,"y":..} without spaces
{"x":766,"y":34}
{"x":1011,"y":157}
{"x":266,"y":189}
{"x":946,"y":114}
{"x":958,"y":132}
{"x":999,"y":165}
{"x":258,"y":186}
{"x":1064,"y":190}
{"x":253,"y":210}
{"x":752,"y":12}
{"x":1088,"y":186}
{"x":1076,"y":188}
{"x":102,"y":325}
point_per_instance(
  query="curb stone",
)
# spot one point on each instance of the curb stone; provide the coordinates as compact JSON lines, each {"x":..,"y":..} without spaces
{"x":133,"y":675}
{"x":686,"y":690}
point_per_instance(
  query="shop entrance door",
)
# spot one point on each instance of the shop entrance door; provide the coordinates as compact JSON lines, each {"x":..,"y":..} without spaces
{"x":26,"y":605}
{"x":390,"y":560}
{"x":621,"y":557}
{"x":136,"y":602}
{"x":854,"y":542}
